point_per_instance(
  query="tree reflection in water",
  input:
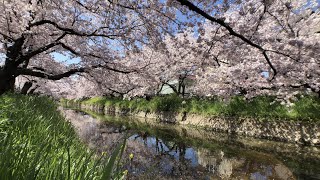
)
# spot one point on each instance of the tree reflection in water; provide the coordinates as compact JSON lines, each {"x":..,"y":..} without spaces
{"x":161,"y":152}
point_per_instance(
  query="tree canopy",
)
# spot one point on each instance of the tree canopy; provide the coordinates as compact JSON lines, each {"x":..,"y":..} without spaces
{"x":134,"y":47}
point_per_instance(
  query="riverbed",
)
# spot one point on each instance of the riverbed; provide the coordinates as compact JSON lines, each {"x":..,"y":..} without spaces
{"x":157,"y":150}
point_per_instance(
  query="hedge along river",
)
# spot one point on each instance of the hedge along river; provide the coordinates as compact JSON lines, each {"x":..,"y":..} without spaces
{"x":165,"y":151}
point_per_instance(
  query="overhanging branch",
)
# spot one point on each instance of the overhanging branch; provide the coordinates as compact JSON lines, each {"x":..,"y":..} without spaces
{"x":73,"y":31}
{"x":305,"y":86}
{"x":45,"y":75}
{"x":194,"y":8}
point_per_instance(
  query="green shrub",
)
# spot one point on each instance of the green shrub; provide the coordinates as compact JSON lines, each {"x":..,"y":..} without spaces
{"x":306,"y":108}
{"x":166,"y":103}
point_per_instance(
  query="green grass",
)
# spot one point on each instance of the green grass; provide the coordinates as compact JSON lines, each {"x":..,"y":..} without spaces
{"x":37,"y":143}
{"x":262,"y":107}
{"x":95,"y":101}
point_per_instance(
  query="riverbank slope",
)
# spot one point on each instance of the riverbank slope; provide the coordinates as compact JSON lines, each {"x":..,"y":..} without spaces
{"x":261,"y":117}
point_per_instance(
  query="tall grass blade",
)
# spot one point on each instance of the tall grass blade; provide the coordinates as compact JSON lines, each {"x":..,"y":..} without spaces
{"x":108,"y":170}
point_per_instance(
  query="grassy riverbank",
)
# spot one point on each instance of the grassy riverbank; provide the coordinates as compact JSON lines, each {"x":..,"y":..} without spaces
{"x":304,"y":108}
{"x":37,"y":143}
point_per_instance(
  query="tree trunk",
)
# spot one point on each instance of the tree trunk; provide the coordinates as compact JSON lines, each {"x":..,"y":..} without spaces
{"x":183,"y":90}
{"x":26,"y":87}
{"x":179,"y":88}
{"x":32,"y":90}
{"x":8,"y":71}
{"x":7,"y":80}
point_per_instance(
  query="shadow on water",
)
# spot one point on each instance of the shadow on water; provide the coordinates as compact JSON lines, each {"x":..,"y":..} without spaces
{"x":166,"y":151}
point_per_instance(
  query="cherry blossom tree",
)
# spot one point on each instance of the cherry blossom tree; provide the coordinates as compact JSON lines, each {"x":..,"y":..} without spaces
{"x":241,"y":41}
{"x":30,"y":30}
{"x":133,"y":48}
{"x":152,"y":68}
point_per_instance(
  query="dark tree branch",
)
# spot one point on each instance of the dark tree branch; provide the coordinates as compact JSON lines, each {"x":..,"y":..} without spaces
{"x":45,"y":75}
{"x":260,"y":20}
{"x":305,"y":86}
{"x":160,"y":89}
{"x":72,"y":31}
{"x":281,"y":53}
{"x":82,"y":5}
{"x":43,"y":48}
{"x":40,"y":50}
{"x":110,"y":89}
{"x":194,"y":8}
{"x":69,"y":48}
{"x":124,"y":6}
{"x":173,"y":87}
{"x":6,"y":36}
{"x":121,"y":93}
{"x":270,"y":64}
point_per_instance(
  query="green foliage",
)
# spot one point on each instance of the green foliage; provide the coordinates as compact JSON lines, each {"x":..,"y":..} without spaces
{"x":95,"y":100}
{"x":261,"y":107}
{"x":306,"y":108}
{"x":70,"y":102}
{"x":166,"y":103}
{"x":140,"y":104}
{"x":213,"y":107}
{"x":37,"y":143}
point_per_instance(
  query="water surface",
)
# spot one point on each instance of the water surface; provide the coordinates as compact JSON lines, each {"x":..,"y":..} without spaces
{"x":166,"y":151}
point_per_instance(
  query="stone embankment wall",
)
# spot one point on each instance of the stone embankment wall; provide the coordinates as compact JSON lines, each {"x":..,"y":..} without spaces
{"x":287,"y":131}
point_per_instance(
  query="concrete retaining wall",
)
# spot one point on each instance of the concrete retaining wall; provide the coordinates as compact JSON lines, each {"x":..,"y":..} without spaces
{"x":287,"y":131}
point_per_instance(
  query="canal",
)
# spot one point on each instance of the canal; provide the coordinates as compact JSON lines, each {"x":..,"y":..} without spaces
{"x":165,"y":151}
